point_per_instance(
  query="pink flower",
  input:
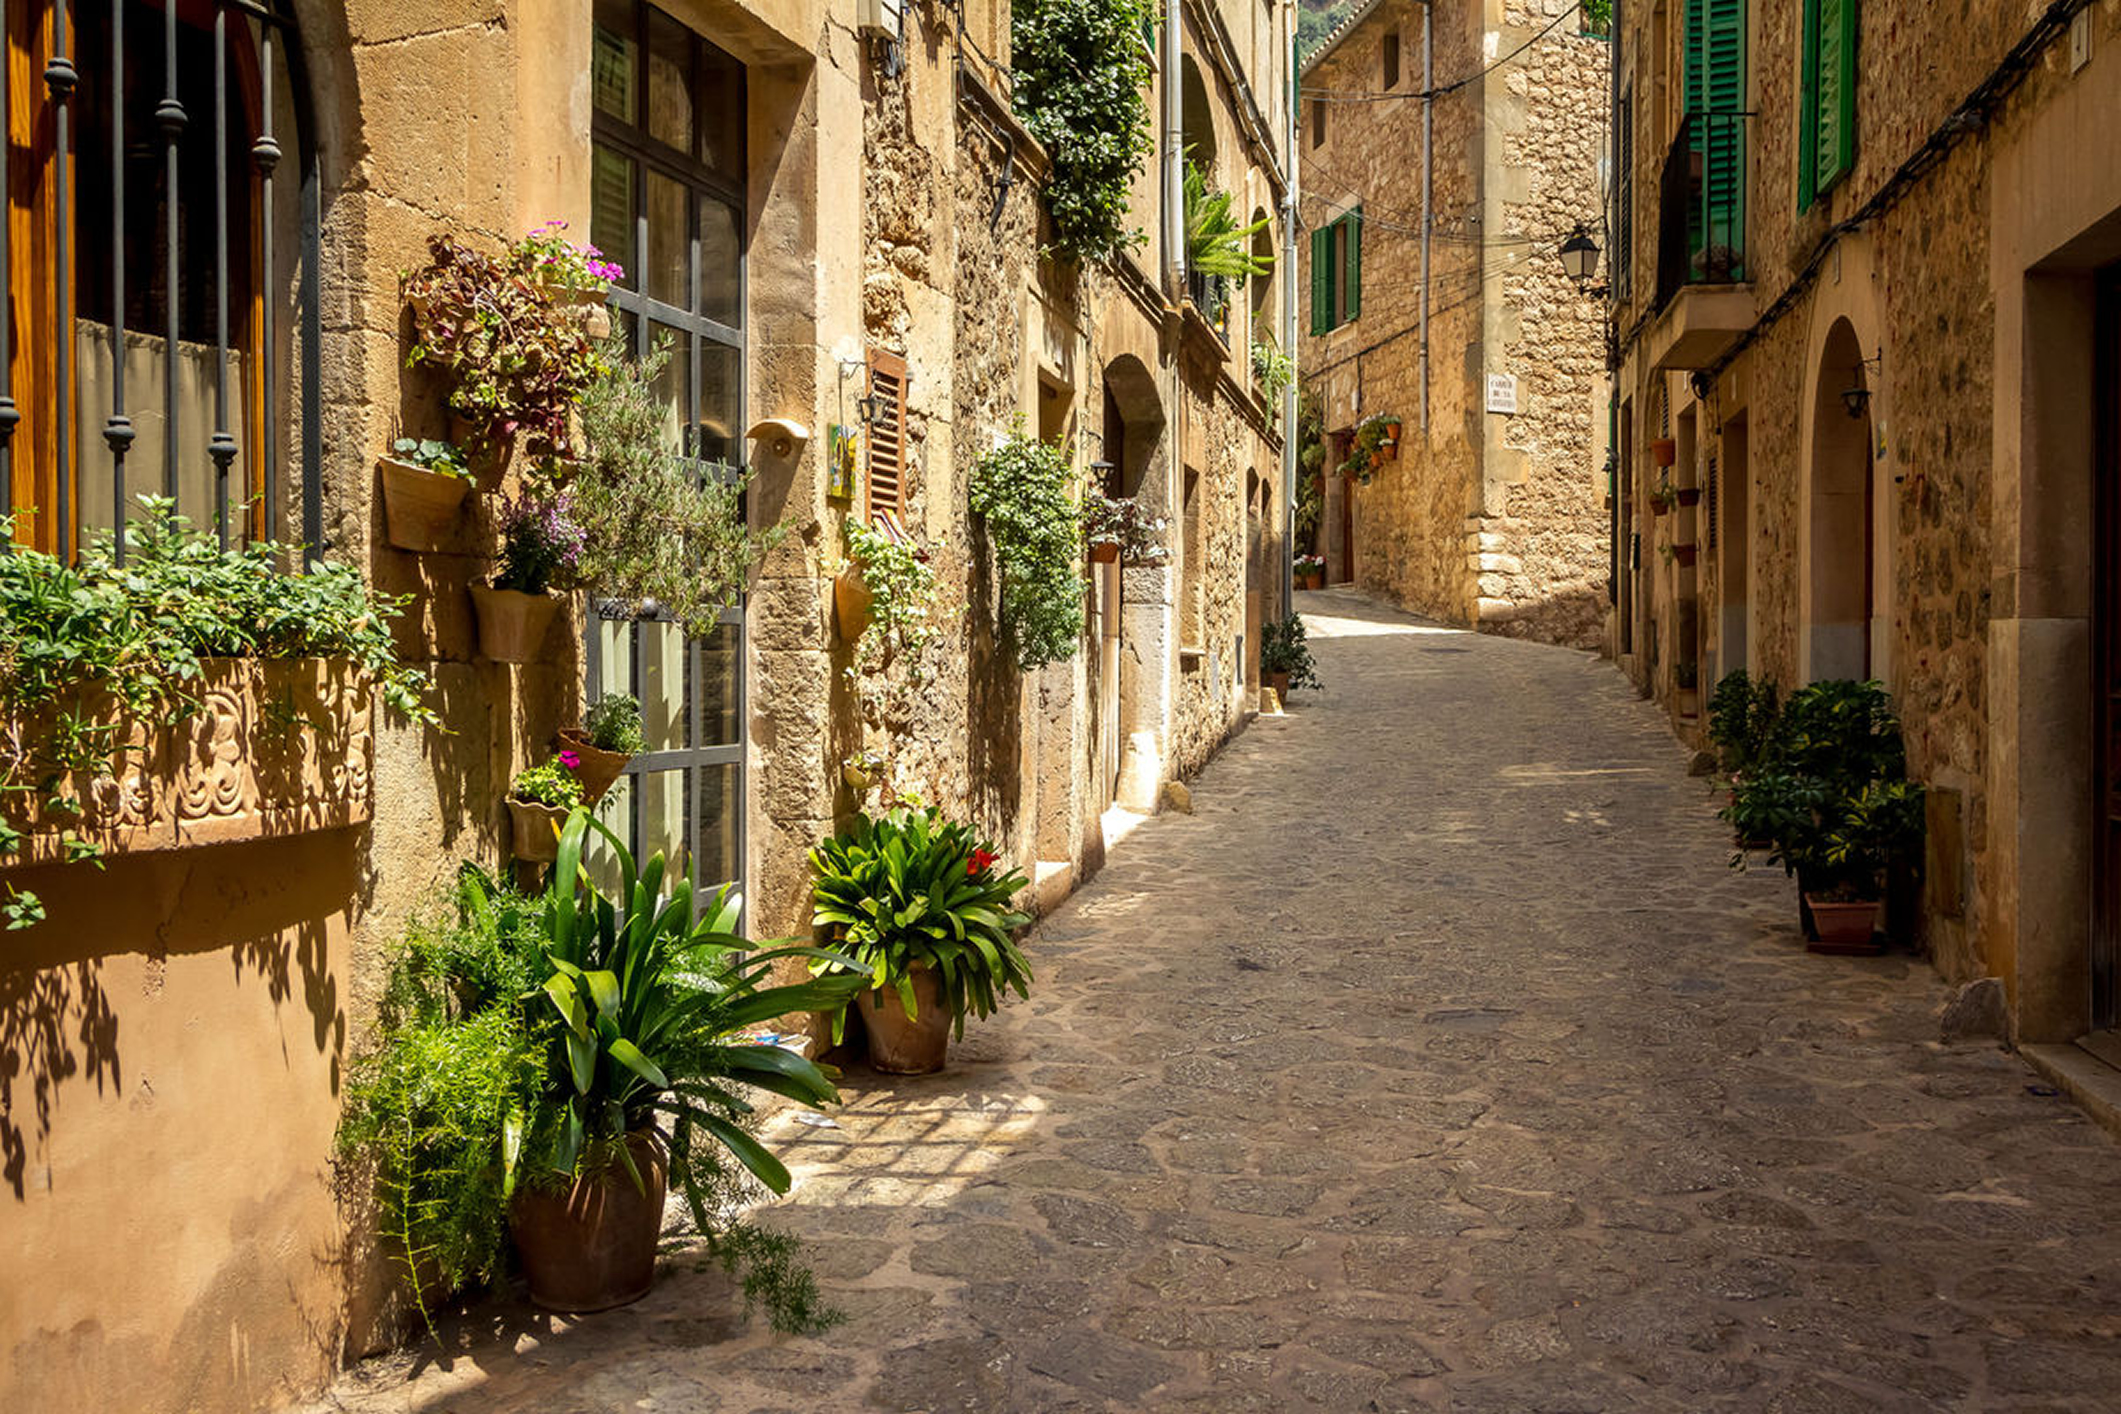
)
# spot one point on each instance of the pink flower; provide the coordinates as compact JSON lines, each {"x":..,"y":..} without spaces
{"x":571,"y":760}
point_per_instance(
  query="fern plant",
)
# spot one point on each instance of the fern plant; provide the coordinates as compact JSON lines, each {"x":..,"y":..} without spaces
{"x":1215,"y":243}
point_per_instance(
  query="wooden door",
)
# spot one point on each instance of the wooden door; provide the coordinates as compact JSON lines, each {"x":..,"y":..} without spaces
{"x":2106,"y":480}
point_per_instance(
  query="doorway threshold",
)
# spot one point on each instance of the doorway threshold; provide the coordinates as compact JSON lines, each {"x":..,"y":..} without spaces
{"x":2085,"y":1076}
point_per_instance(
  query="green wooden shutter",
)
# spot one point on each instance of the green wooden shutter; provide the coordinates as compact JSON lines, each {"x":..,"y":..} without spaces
{"x":1715,"y":95}
{"x":1827,"y":146}
{"x":1352,"y":302}
{"x":1322,"y":280}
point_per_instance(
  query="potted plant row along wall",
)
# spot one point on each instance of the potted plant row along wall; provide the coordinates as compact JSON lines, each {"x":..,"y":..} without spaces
{"x":1825,"y":783}
{"x":914,"y":906}
{"x":194,"y":695}
{"x":546,"y":1064}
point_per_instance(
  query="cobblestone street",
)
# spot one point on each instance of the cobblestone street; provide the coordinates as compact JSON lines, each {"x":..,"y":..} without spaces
{"x":1437,"y":1061}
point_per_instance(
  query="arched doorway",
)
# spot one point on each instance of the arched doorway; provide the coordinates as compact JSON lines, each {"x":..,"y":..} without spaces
{"x":1132,"y":444}
{"x":1841,"y":542}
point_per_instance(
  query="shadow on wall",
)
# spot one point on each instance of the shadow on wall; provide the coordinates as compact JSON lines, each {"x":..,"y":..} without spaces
{"x":264,"y":903}
{"x":996,"y":690}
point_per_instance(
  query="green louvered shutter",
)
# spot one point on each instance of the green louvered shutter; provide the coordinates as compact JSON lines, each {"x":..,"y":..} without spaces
{"x":1715,"y":97}
{"x":1828,"y":147}
{"x":1353,"y":300}
{"x":1322,"y":280}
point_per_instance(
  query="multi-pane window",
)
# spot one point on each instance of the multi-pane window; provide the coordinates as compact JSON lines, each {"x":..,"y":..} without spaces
{"x":160,"y":271}
{"x":667,"y":202}
{"x":1336,"y":273}
{"x":1826,"y":120}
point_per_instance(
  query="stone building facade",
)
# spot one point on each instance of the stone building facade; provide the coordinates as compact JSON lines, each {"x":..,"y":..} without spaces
{"x":1865,"y":333}
{"x":855,"y":199}
{"x":1464,"y":328}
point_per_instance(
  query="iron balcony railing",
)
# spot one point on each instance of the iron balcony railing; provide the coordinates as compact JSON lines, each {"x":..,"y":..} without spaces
{"x":1701,"y":204}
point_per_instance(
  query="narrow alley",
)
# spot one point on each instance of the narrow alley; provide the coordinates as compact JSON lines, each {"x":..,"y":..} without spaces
{"x":1436,"y":1061}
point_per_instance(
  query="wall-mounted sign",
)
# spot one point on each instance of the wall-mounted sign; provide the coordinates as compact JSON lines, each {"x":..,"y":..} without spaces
{"x":1502,"y":393}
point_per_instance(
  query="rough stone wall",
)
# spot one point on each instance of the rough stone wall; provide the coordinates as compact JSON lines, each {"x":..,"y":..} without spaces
{"x":1487,"y":520}
{"x":1209,"y":687}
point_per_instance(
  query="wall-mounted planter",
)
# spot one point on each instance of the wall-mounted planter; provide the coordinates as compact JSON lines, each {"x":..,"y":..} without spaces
{"x":1104,"y":552}
{"x":599,"y":768}
{"x":419,"y":506}
{"x":1690,"y":495}
{"x":851,"y":603}
{"x":1664,"y":451}
{"x":277,"y":747}
{"x":512,"y":624}
{"x":536,"y":830}
{"x":1684,"y":554}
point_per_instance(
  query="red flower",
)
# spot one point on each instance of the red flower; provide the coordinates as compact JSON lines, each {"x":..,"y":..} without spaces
{"x":980,"y":862}
{"x":571,"y":761}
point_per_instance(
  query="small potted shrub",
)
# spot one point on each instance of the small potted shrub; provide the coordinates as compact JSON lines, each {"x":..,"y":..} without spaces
{"x":1310,"y":571}
{"x":424,"y":484}
{"x":609,"y":737}
{"x":1689,"y":495}
{"x":1866,"y":835}
{"x":1661,"y":498}
{"x":1686,"y":677}
{"x":1285,"y":658}
{"x":539,"y":803}
{"x":1742,"y":714}
{"x":917,"y":910}
{"x":541,"y":544}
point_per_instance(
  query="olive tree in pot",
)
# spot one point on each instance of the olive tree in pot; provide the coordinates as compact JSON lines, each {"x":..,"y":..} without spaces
{"x":917,"y":910}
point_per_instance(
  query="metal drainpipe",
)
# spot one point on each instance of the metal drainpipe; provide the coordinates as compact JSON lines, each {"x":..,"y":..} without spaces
{"x":1289,"y":208}
{"x":1428,"y":186}
{"x":1174,"y":159}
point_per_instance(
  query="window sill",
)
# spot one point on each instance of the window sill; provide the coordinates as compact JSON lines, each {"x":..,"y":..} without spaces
{"x":277,"y":748}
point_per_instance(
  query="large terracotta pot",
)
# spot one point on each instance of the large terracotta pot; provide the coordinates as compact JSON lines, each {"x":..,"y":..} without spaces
{"x":1845,"y":929}
{"x":851,"y":603}
{"x":1664,"y":451}
{"x":591,"y":1246}
{"x":512,"y":624}
{"x":419,"y":506}
{"x":1280,"y":683}
{"x":599,"y":767}
{"x":535,"y":826}
{"x":899,"y":1045}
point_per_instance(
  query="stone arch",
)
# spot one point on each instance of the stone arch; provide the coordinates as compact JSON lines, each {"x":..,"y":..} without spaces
{"x":1134,"y":429}
{"x":1841,"y":561}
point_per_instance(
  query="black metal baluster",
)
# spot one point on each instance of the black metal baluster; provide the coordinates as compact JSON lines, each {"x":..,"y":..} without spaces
{"x":221,"y":446}
{"x":118,"y":428}
{"x":10,"y":415}
{"x":170,"y":121}
{"x":60,"y":81}
{"x":265,"y":154}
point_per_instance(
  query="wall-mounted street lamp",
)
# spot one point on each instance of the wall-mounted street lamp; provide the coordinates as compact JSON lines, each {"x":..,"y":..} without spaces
{"x":1857,"y":399}
{"x":1579,"y":256}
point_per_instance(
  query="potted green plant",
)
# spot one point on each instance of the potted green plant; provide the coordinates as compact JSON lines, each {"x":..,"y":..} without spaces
{"x":1689,"y":495}
{"x":861,"y":771}
{"x":1285,"y":658}
{"x":539,"y":802}
{"x":1022,"y":493}
{"x":880,"y":600}
{"x":1366,"y":449}
{"x":1686,"y":679}
{"x":1685,"y":555}
{"x":541,"y":545}
{"x":920,"y":914}
{"x":1118,"y":529}
{"x":1742,"y":715}
{"x":424,"y":485}
{"x":1865,"y":835}
{"x":610,"y":736}
{"x":568,"y":274}
{"x":1310,"y":571}
{"x":1661,"y":498}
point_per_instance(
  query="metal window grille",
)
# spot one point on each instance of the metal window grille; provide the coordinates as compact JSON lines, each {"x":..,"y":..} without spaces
{"x":161,"y":272}
{"x":1713,"y":498}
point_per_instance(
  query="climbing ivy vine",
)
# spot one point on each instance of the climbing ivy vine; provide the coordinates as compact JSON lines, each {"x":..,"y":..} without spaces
{"x":1082,"y":74}
{"x":1021,"y":492}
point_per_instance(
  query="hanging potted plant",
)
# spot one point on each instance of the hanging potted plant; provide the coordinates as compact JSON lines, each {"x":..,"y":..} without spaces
{"x":1689,"y":495}
{"x":567,"y":274}
{"x":881,"y":598}
{"x":1664,"y":451}
{"x":538,"y":804}
{"x":861,"y":771}
{"x":1661,"y":499}
{"x":424,"y":485}
{"x":1685,"y":555}
{"x":922,"y":918}
{"x":541,"y":545}
{"x":1310,"y":571}
{"x":609,"y":737}
{"x":1118,"y":530}
{"x":1366,"y":449}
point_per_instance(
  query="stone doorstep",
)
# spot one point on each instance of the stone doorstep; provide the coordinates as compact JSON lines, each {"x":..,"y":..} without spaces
{"x":2094,"y":1085}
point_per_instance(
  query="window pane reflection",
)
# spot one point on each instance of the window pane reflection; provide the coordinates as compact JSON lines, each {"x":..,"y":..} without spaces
{"x":669,"y":274}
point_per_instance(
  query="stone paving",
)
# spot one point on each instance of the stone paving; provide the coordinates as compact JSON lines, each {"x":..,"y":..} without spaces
{"x":1437,"y":1062}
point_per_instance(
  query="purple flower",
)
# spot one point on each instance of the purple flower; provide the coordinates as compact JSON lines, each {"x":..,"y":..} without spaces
{"x":570,"y":760}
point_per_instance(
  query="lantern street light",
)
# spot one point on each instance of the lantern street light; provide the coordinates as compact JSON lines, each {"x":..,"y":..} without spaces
{"x":1579,"y":257}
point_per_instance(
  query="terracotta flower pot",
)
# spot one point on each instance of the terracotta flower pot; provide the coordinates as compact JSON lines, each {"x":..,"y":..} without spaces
{"x":1389,"y":449}
{"x":1685,"y":554}
{"x":536,"y":829}
{"x":902,"y":1045}
{"x":598,"y":768}
{"x":1664,"y":451}
{"x":591,"y":1246}
{"x":1845,"y":929}
{"x":1690,"y":495}
{"x":1104,"y":552}
{"x":419,"y":506}
{"x":512,"y":624}
{"x":1280,"y":683}
{"x":851,"y":603}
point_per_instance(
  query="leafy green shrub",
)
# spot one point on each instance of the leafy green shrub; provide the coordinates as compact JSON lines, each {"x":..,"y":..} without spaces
{"x":83,"y":645}
{"x":1021,"y":491}
{"x":1082,"y":75}
{"x":657,"y":526}
{"x":1283,"y":649}
{"x":442,"y":458}
{"x":907,"y":889}
{"x":613,"y":723}
{"x":1215,"y":243}
{"x":1742,"y":716}
{"x":1872,"y":831}
{"x":901,"y":590}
